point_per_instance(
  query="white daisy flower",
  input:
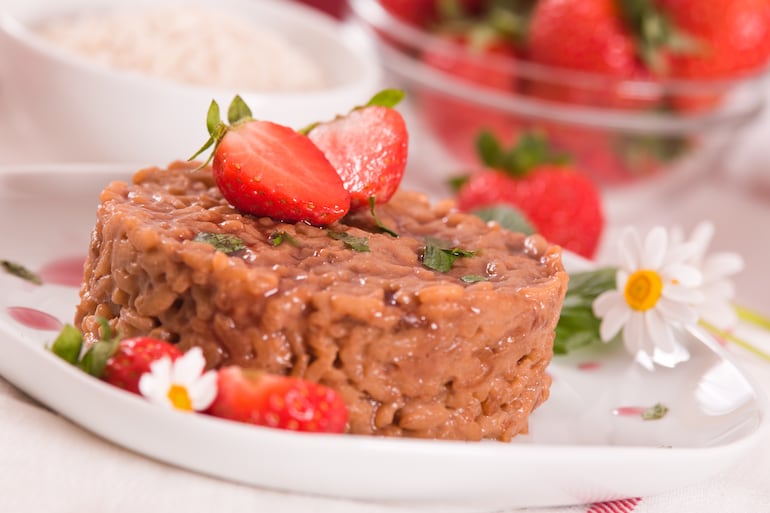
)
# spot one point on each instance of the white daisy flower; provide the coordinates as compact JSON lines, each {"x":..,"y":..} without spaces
{"x":180,"y":384}
{"x":655,"y":294}
{"x":717,"y":288}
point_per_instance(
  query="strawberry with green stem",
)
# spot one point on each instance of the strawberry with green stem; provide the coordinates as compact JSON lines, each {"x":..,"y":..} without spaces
{"x":266,"y":169}
{"x":119,"y":362}
{"x":557,"y":199}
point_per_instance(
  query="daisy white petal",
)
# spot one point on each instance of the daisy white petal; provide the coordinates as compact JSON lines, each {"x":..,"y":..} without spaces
{"x":630,"y":248}
{"x":719,"y":313}
{"x":659,"y":333}
{"x":655,"y":245}
{"x":204,"y":390}
{"x":634,"y":333}
{"x":701,"y":237}
{"x":683,"y":294}
{"x":606,"y":301}
{"x":721,"y":265}
{"x":678,"y":313}
{"x":613,"y":321}
{"x":687,"y":275}
{"x":189,"y":367}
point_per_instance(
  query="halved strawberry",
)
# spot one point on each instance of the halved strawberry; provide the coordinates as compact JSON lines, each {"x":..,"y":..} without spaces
{"x":267,"y":169}
{"x":367,"y":147}
{"x":283,"y":402}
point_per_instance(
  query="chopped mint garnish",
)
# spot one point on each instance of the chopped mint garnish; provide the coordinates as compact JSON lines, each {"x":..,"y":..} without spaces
{"x":377,"y":221}
{"x":578,"y":326}
{"x":278,"y":238}
{"x":360,"y":244}
{"x":473,"y":278}
{"x":20,"y":271}
{"x":68,"y":344}
{"x":439,"y":257}
{"x":658,"y":411}
{"x":506,"y":216}
{"x":221,"y":241}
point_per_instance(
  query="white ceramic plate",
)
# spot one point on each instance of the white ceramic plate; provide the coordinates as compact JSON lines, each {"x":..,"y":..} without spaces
{"x":587,"y":443}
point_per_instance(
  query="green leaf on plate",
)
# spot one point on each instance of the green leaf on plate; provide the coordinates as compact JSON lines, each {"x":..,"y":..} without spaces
{"x":68,"y":344}
{"x":20,"y":271}
{"x":578,"y":326}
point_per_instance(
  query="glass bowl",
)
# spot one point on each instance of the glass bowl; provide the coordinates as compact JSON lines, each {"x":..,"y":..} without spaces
{"x":623,"y":133}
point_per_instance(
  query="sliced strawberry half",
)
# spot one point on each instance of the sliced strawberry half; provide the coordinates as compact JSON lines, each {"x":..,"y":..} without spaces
{"x":368,"y":148}
{"x":282,"y":402}
{"x":267,"y":169}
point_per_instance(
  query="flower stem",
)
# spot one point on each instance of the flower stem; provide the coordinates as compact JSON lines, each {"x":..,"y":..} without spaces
{"x":735,"y":340}
{"x":752,"y":316}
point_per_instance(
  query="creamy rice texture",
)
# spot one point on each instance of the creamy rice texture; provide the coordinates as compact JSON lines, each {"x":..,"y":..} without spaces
{"x":188,"y":44}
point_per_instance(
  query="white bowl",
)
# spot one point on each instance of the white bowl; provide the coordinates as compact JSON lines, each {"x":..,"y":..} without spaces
{"x":75,"y":109}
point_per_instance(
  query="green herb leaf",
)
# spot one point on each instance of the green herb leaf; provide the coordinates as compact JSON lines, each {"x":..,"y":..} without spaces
{"x":578,"y":326}
{"x":473,"y":278}
{"x":438,"y":256}
{"x":386,"y":98}
{"x":360,"y":244}
{"x":658,"y":411}
{"x":506,"y":216}
{"x":380,"y":225}
{"x":68,"y":344}
{"x":20,"y":271}
{"x":223,"y":242}
{"x":278,"y":238}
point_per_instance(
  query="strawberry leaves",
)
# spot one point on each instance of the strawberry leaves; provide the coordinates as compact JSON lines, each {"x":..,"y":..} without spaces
{"x":531,"y":150}
{"x":238,"y":112}
{"x":68,"y":346}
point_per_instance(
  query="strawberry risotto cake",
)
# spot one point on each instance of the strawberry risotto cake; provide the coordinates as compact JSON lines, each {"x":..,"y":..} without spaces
{"x":453,"y":353}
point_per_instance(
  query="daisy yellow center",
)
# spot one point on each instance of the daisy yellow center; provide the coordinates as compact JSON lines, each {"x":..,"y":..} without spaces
{"x":643,"y":289}
{"x":179,"y":397}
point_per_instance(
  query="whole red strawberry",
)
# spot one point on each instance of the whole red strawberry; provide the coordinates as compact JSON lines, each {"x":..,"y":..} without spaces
{"x":415,"y":12}
{"x":133,"y":357}
{"x":732,"y":36}
{"x":585,"y":36}
{"x":367,"y":147}
{"x":283,"y":402}
{"x":266,"y":169}
{"x":559,"y":201}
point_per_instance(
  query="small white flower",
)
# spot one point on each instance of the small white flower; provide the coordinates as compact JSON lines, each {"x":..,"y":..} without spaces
{"x":717,"y":288}
{"x":180,"y":384}
{"x":655,"y":294}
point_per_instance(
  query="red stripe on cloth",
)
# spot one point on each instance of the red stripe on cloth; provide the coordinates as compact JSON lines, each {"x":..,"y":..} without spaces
{"x":619,"y":506}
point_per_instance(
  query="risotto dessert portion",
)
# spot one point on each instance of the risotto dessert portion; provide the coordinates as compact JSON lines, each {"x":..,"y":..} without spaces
{"x":458,"y":351}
